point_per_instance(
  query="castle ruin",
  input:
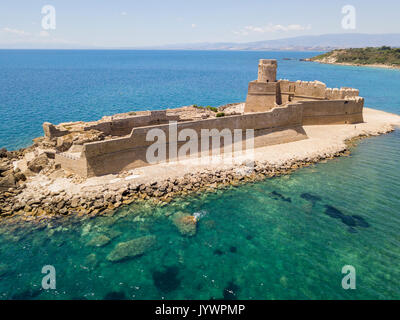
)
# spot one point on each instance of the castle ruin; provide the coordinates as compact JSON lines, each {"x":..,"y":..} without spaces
{"x":275,"y":109}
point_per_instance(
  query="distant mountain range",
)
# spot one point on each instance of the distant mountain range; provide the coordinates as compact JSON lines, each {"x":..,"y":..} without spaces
{"x":324,"y":42}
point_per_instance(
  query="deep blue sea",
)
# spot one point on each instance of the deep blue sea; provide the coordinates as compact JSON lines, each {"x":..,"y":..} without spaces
{"x":249,"y":244}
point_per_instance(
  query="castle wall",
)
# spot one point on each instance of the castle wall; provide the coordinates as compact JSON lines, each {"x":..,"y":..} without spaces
{"x":112,"y":126}
{"x":343,"y":93}
{"x":124,"y":126}
{"x":261,"y":96}
{"x":262,"y":93}
{"x":332,"y":111}
{"x":280,"y":125}
{"x":77,"y":165}
{"x":313,"y":90}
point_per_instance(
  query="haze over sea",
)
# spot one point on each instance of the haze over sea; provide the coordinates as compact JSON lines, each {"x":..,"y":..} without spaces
{"x":282,"y":238}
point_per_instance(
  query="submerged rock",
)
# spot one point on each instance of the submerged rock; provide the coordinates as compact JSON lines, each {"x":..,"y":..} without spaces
{"x":114,"y":295}
{"x":310,"y":197}
{"x":132,"y":248}
{"x":231,"y":291}
{"x":99,"y":241}
{"x":27,"y":294}
{"x":186,"y":224}
{"x":167,"y":280}
{"x":348,"y":221}
{"x":333,"y":212}
{"x":277,"y":196}
{"x":360,"y":221}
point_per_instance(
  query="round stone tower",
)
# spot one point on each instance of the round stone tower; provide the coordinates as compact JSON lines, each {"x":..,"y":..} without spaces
{"x":267,"y":70}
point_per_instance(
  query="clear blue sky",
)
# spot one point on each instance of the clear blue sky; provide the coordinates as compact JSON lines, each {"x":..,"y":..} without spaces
{"x":132,"y":23}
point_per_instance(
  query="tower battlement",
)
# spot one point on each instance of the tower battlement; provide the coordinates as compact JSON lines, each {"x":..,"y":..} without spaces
{"x":267,"y":92}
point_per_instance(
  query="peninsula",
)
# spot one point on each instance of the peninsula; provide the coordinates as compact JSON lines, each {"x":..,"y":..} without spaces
{"x":91,"y":168}
{"x":382,"y":57}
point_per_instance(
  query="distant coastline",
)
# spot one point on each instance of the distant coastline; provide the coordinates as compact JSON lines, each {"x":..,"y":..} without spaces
{"x":383,"y":57}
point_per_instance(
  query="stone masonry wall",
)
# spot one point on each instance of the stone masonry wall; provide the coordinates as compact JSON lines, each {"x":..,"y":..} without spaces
{"x":280,"y":125}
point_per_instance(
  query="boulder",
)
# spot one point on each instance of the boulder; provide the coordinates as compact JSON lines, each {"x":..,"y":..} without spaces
{"x":64,"y":142}
{"x":7,"y":182}
{"x":19,"y":176}
{"x":132,"y":248}
{"x":3,"y":153}
{"x":4,"y":167}
{"x":38,"y":164}
{"x":186,"y":223}
{"x":99,"y":241}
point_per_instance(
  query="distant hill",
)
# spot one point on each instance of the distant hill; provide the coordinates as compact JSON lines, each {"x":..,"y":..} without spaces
{"x":304,"y":43}
{"x":383,"y":56}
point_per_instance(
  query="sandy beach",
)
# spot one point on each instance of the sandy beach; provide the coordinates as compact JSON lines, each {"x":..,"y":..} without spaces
{"x":333,"y":61}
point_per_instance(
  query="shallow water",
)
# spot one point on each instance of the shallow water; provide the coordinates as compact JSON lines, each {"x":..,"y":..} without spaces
{"x":274,"y":239}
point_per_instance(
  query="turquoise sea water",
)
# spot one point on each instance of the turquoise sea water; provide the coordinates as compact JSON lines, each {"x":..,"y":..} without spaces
{"x":282,"y":238}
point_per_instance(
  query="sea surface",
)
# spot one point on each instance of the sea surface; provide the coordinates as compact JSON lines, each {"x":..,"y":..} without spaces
{"x":282,"y":238}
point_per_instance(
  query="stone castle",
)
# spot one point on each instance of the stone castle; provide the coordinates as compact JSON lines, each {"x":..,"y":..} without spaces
{"x":275,"y":109}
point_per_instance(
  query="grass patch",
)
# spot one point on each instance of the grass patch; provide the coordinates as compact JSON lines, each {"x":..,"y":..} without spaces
{"x":213,"y":109}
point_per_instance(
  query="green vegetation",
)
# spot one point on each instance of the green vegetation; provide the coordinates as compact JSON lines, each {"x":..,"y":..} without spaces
{"x":220,"y":114}
{"x":213,"y":109}
{"x":364,"y":56}
{"x":132,"y":113}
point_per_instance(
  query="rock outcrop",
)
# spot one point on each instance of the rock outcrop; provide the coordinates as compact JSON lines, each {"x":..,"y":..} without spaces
{"x":132,"y":248}
{"x":186,"y":223}
{"x":99,"y":241}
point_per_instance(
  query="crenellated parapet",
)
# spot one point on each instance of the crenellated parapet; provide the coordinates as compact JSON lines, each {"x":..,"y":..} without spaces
{"x":309,"y":90}
{"x":343,"y":93}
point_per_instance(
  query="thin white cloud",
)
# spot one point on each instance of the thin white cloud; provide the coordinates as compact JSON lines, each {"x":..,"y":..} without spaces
{"x":15,"y":36}
{"x":44,"y":33}
{"x":271,"y":28}
{"x":15,"y":32}
{"x":194,"y":25}
{"x":123,"y":13}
